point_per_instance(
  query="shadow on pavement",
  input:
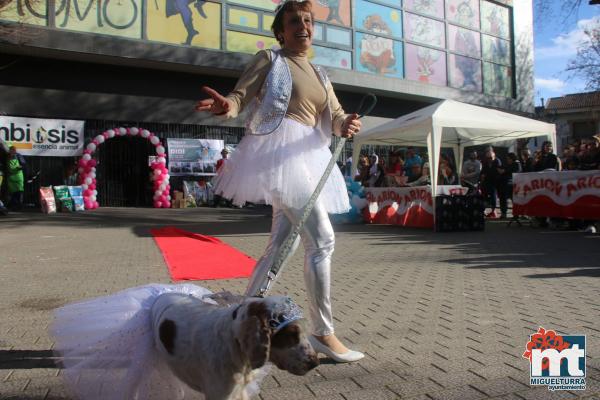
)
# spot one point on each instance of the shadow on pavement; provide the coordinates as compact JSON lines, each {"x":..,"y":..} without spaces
{"x":499,"y":246}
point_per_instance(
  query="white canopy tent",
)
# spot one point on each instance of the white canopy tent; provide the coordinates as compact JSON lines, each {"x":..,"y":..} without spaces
{"x":451,"y":124}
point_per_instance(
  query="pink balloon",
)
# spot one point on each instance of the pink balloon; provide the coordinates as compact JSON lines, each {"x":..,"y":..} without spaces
{"x":163,"y":198}
{"x":168,"y":188}
{"x":86,"y":151}
{"x":96,"y":204}
{"x":87,"y":192}
{"x":157,"y":204}
{"x":92,"y":163}
{"x":105,"y":134}
{"x":82,"y":163}
{"x":92,"y":186}
{"x":167,"y":204}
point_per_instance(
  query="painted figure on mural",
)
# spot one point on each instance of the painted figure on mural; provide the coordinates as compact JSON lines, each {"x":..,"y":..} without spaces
{"x":425,"y":31}
{"x":181,"y":7}
{"x":465,"y":43}
{"x":425,"y":6}
{"x":334,"y":10}
{"x":377,"y":53}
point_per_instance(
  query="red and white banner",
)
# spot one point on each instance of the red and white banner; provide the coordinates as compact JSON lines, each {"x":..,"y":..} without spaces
{"x":565,"y":194}
{"x":406,"y":206}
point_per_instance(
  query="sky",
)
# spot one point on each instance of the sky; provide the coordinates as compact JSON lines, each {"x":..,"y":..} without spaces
{"x":556,"y":42}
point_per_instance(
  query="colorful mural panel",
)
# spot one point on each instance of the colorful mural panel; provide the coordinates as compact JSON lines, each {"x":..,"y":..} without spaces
{"x":268,"y":5}
{"x":465,"y":73}
{"x":425,"y":65}
{"x":464,"y":41}
{"x":497,"y":79}
{"x":378,"y":55}
{"x":196,"y":23}
{"x":331,"y":57}
{"x":23,"y":11}
{"x":424,"y":30}
{"x":378,"y":19}
{"x":435,"y":8}
{"x":332,"y":11}
{"x":494,"y":19}
{"x":496,"y":50}
{"x":248,"y":43}
{"x":463,"y":12}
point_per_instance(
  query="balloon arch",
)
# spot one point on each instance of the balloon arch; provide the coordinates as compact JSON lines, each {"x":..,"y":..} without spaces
{"x":87,"y":167}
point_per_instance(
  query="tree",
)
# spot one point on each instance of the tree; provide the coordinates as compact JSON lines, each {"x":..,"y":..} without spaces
{"x":586,"y":64}
{"x":546,"y":10}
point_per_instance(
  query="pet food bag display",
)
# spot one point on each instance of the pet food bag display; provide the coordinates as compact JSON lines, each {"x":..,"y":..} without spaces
{"x":47,"y":200}
{"x":63,"y":197}
{"x":76,"y":193}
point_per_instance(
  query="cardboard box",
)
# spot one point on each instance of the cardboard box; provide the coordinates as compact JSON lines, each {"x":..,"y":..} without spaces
{"x":177,"y":195}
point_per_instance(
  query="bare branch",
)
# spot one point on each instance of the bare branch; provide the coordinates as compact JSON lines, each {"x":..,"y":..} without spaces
{"x":586,"y":64}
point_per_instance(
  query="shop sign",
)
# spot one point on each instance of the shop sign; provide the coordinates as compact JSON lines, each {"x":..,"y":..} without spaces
{"x":43,"y":137}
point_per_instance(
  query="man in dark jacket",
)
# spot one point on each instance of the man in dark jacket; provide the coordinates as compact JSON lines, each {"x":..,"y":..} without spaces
{"x":548,"y":160}
{"x":490,"y":180}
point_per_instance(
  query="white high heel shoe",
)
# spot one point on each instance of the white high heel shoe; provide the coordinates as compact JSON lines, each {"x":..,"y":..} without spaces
{"x":349,"y":356}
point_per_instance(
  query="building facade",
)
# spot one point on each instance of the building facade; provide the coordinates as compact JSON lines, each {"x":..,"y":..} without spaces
{"x":143,"y":62}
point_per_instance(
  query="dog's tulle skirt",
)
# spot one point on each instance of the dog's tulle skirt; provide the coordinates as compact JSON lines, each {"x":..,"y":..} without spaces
{"x":283,"y":168}
{"x":107,"y":350}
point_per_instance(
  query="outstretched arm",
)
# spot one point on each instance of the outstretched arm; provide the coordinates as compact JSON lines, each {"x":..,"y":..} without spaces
{"x":216,"y":104}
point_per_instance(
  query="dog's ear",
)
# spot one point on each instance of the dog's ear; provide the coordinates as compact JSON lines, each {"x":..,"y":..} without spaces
{"x":256,"y":335}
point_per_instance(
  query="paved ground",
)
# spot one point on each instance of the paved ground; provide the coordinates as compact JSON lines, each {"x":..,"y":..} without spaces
{"x":440,"y":316}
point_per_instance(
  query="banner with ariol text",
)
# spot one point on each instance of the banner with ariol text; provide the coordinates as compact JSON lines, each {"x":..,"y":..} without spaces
{"x":43,"y":137}
{"x":564,"y":194}
{"x":406,"y":206}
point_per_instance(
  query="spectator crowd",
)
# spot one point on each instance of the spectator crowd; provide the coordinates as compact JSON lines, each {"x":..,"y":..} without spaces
{"x":488,"y":174}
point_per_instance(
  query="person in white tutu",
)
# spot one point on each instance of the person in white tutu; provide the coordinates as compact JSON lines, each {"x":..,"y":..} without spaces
{"x":280,"y":160}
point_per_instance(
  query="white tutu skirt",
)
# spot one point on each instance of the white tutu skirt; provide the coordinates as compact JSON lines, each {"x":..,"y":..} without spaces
{"x":107,"y":348}
{"x":282,"y":169}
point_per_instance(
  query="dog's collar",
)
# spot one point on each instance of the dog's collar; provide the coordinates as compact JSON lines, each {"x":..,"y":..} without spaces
{"x":284,"y":313}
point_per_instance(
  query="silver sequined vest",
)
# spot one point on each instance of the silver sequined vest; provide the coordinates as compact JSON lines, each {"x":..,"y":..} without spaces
{"x":268,"y":109}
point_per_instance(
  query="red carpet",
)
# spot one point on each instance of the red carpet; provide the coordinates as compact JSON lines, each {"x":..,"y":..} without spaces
{"x":191,"y":256}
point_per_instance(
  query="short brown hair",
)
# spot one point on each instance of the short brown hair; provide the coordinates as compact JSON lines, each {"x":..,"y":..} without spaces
{"x":293,"y":6}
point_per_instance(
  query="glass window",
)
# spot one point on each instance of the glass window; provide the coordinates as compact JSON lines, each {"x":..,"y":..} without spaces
{"x":496,"y":50}
{"x":245,"y":18}
{"x":424,"y":30}
{"x":378,"y":19}
{"x":339,"y":36}
{"x":331,"y":57}
{"x":269,"y":5}
{"x":378,"y":55}
{"x":332,"y":11}
{"x":393,"y":3}
{"x":425,"y":65}
{"x":497,"y":79}
{"x":464,"y":41}
{"x":318,"y":32}
{"x":495,"y":19}
{"x":435,"y":8}
{"x":249,"y":43}
{"x":464,"y":73}
{"x":463,"y":12}
{"x":267,"y":22}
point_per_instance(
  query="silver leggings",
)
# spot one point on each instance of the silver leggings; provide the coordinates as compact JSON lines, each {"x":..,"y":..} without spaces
{"x":318,"y":240}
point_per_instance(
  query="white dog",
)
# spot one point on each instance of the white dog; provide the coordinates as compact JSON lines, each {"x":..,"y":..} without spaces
{"x":169,"y":341}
